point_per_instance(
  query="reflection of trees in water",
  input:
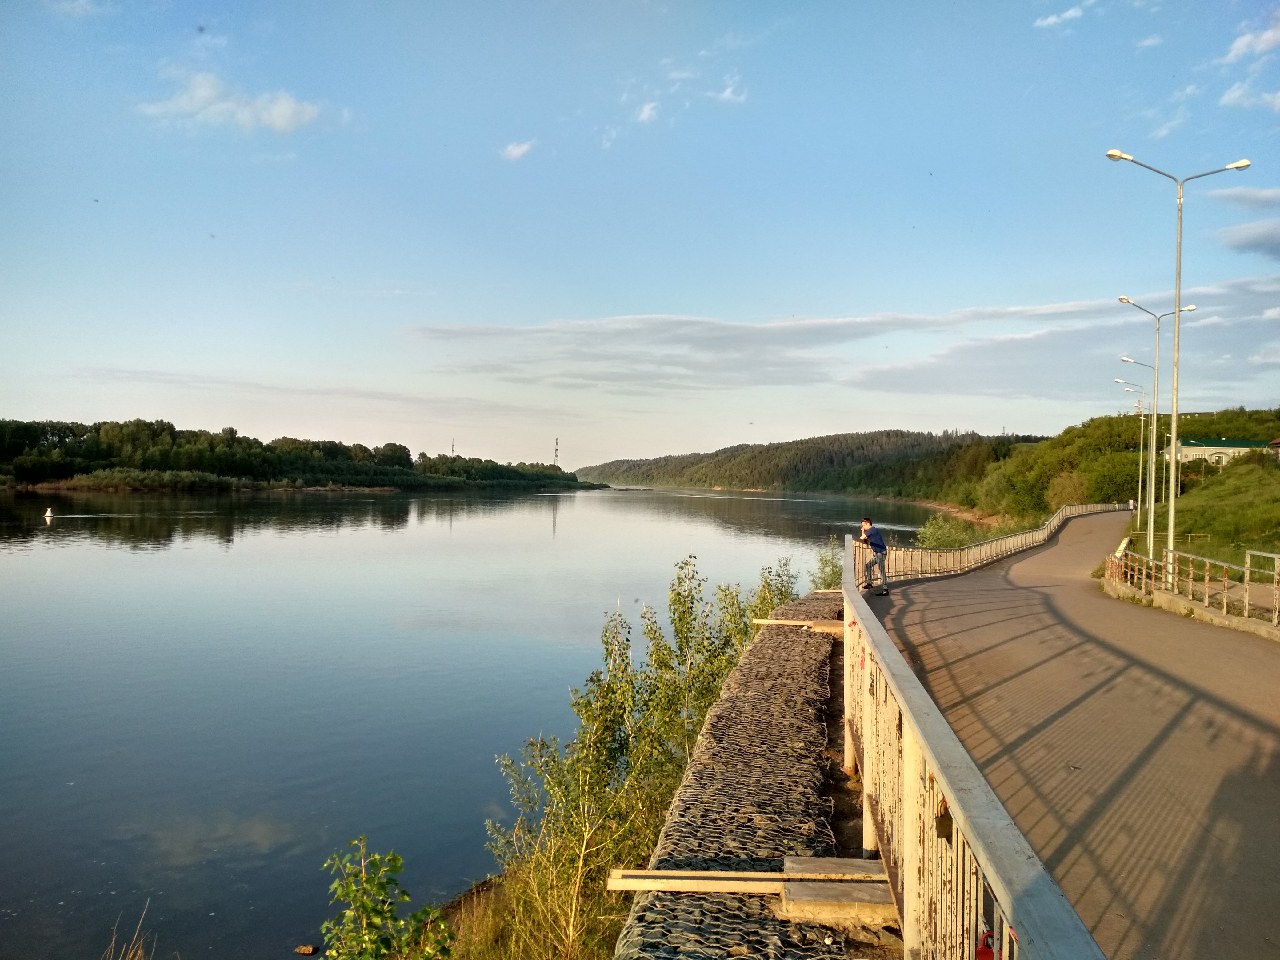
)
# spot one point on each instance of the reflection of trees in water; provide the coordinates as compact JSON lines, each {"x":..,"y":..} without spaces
{"x":143,"y":521}
{"x":796,"y":516}
{"x":158,"y":522}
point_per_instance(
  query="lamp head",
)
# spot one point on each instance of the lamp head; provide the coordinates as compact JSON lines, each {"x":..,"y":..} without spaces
{"x":1118,"y":380}
{"x":1126,"y":359}
{"x":1125,"y":300}
{"x":1117,"y":155}
{"x":1188,"y":308}
{"x":1238,"y":165}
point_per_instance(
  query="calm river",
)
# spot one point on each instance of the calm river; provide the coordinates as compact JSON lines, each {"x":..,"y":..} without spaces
{"x":202,"y":699}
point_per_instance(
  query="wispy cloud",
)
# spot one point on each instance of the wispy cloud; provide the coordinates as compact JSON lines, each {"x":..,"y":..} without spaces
{"x":1262,"y":236}
{"x":655,"y":354}
{"x":1066,"y":16}
{"x":206,"y":100}
{"x":1147,"y":43}
{"x":1267,"y":355}
{"x":1174,"y":112}
{"x":1171,"y":124}
{"x":77,"y":9}
{"x":1253,"y":197}
{"x":517,"y":151}
{"x":1041,"y":351}
{"x":1242,"y":94}
{"x":1255,"y":43}
{"x":238,"y":388}
{"x":731,"y":91}
{"x":647,"y":113}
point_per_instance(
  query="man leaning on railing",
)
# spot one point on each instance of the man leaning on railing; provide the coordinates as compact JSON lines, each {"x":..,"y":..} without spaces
{"x":872,"y":538}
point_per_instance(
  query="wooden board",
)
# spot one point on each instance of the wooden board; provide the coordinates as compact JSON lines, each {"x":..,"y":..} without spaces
{"x":834,"y":627}
{"x":799,"y":870}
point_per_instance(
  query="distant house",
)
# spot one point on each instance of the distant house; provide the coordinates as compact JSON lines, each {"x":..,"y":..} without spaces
{"x":1218,"y":451}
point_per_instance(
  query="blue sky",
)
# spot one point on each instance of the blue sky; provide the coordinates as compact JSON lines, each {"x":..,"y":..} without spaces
{"x":638,"y":227}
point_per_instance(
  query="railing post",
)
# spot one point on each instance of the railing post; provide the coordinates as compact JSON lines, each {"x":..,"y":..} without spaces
{"x":869,"y":768}
{"x":912,"y":845}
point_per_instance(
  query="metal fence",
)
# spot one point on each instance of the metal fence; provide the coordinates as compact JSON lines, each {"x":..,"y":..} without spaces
{"x":912,"y":562}
{"x":1251,"y":591}
{"x":964,"y":877}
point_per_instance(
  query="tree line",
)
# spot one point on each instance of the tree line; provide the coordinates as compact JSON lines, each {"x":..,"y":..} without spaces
{"x":141,"y":454}
{"x":895,"y":463}
{"x":1011,"y":476}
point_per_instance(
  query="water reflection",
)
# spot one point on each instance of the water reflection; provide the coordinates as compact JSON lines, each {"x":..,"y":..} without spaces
{"x":147,"y":522}
{"x":203,"y":698}
{"x":188,"y":840}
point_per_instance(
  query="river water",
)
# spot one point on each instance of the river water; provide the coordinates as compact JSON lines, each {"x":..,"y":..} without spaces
{"x":201,"y":699}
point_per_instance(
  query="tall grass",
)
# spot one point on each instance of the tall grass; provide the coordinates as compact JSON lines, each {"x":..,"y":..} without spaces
{"x":139,"y":946}
{"x":600,"y":800}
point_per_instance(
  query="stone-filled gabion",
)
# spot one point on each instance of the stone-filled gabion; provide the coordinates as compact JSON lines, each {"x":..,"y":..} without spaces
{"x":751,"y":795}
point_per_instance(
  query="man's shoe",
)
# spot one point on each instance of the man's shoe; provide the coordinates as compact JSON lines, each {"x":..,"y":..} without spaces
{"x":864,"y":586}
{"x":882,"y":593}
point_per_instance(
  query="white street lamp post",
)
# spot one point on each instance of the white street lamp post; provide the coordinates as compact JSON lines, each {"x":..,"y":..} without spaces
{"x":1154,"y":367}
{"x":1177,"y":311}
{"x":1142,"y":433}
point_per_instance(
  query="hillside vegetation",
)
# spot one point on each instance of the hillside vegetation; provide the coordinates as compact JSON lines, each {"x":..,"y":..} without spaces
{"x":893,"y":463}
{"x":148,"y":455}
{"x":1013,"y":481}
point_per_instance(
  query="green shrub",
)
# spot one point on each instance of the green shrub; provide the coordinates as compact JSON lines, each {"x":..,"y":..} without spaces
{"x":369,"y":927}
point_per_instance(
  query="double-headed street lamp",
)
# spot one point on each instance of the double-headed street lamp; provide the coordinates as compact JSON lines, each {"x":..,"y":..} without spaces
{"x":1177,"y":311}
{"x":1154,"y":367}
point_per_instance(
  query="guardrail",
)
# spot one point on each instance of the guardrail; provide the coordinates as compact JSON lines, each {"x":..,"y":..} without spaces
{"x":913,"y":562}
{"x":1251,"y":591}
{"x":963,"y":875}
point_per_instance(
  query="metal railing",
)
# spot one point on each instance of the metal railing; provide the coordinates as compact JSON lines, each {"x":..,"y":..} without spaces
{"x":912,"y":562}
{"x":1251,"y":591}
{"x":963,"y":875}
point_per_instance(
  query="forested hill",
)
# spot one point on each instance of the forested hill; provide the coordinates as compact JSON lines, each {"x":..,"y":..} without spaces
{"x":153,"y":454}
{"x":897,"y":463}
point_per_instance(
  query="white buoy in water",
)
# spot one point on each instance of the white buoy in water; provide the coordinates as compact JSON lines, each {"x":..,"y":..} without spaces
{"x":48,"y":513}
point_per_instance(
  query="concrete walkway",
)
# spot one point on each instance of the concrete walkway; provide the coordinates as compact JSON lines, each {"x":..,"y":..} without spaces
{"x":1139,"y":751}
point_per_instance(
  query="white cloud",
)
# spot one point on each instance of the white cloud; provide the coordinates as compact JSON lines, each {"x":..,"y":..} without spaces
{"x":1255,"y":44}
{"x":1267,"y":355}
{"x":647,"y":113}
{"x":1255,"y":197}
{"x":1242,"y":94}
{"x":207,"y":100}
{"x":1066,"y":16}
{"x":1262,"y":236}
{"x":1057,"y":19}
{"x":1170,"y":125}
{"x":731,"y":92}
{"x":1056,"y":352}
{"x":76,"y":8}
{"x":517,"y":151}
{"x":1147,"y":43}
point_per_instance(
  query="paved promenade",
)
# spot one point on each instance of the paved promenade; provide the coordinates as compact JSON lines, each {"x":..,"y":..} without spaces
{"x":1139,"y":751}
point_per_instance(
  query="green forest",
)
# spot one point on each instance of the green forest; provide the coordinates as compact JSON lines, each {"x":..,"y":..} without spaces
{"x":895,"y":463}
{"x":155,"y":455}
{"x":1000,"y":476}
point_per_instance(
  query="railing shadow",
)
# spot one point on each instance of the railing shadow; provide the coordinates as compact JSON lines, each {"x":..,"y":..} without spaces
{"x":1150,"y":796}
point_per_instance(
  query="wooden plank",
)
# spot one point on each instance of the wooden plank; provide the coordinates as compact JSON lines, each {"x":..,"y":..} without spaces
{"x":766,"y":885}
{"x":833,"y":868}
{"x":834,"y":627}
{"x":796,"y":870}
